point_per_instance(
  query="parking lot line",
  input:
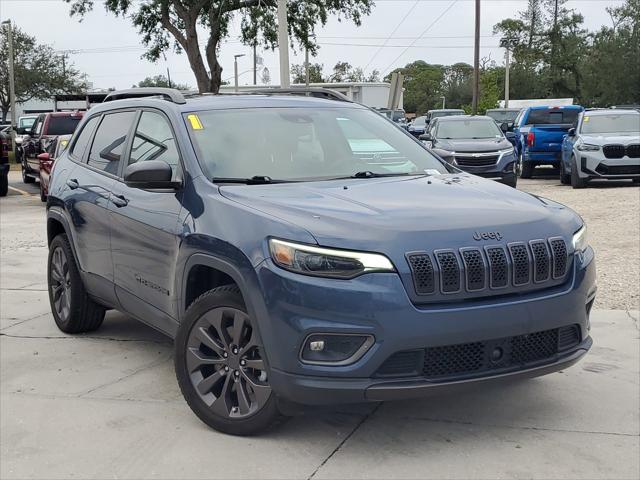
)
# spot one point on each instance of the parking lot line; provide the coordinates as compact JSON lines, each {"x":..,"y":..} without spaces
{"x":21,"y":192}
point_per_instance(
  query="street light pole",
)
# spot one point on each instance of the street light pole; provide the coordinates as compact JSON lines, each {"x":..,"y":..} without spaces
{"x":476,"y":62}
{"x":283,"y":44}
{"x":506,"y":79}
{"x":443,"y":102}
{"x":235,"y":70}
{"x":12,"y":86}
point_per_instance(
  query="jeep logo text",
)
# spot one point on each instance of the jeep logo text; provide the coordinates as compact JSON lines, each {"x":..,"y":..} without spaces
{"x":487,"y":236}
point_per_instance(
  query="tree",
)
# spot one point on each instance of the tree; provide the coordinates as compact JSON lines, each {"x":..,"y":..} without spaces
{"x":298,"y":73}
{"x":166,"y":24}
{"x":344,"y":72}
{"x":39,"y":72}
{"x":161,"y":81}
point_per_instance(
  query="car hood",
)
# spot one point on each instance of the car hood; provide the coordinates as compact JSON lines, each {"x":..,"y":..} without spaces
{"x":474,"y":145}
{"x":622,"y":138}
{"x":405,"y":214}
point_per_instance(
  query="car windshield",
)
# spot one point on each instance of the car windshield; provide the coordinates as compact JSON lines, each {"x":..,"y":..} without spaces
{"x":420,"y":121}
{"x":625,"y":123}
{"x":468,"y":129}
{"x":305,"y":144}
{"x":62,"y":125}
{"x":503,"y":115}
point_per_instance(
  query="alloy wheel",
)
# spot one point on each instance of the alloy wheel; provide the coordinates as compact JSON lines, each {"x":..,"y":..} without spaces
{"x":225,"y":365}
{"x":60,"y":284}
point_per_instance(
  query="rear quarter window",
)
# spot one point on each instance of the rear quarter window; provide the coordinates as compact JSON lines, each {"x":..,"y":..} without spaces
{"x":83,"y":139}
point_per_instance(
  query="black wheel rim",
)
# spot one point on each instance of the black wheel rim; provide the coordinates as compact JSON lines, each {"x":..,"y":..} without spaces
{"x":225,"y":365}
{"x":60,"y":283}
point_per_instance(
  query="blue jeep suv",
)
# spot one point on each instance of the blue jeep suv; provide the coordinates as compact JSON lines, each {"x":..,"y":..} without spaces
{"x":323,"y":256}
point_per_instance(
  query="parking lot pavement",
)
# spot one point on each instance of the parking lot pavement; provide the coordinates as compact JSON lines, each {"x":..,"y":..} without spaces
{"x":107,"y":405}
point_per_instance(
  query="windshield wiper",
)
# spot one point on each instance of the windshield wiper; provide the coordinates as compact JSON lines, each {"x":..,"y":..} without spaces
{"x":370,"y":174}
{"x":255,"y":180}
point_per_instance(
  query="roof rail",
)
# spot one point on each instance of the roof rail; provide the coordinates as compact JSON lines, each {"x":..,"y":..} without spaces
{"x":317,"y":92}
{"x":170,"y":94}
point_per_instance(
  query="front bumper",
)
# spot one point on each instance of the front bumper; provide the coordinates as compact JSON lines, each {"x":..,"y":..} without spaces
{"x":377,"y":304}
{"x":504,"y":168}
{"x":596,"y":165}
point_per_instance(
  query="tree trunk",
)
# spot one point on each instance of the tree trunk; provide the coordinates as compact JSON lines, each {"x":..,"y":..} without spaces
{"x":5,"y":112}
{"x":197,"y":64}
{"x":212,"y":58}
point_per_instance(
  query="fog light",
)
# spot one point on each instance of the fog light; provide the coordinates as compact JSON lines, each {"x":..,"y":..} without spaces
{"x":335,"y":348}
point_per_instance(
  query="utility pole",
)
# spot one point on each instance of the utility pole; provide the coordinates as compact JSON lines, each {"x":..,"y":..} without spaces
{"x":12,"y":85}
{"x":283,"y":44}
{"x":306,"y":67}
{"x":235,"y":70}
{"x":255,"y":65}
{"x":476,"y":62}
{"x":169,"y":78}
{"x":506,"y":79}
{"x":443,"y":101}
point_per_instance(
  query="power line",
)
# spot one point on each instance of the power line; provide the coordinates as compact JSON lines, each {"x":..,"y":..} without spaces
{"x":391,"y":34}
{"x":423,"y":32}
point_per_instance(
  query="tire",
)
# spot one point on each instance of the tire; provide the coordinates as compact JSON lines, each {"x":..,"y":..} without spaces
{"x":25,"y":177}
{"x":576,"y":181}
{"x":213,"y":340}
{"x":511,"y":181}
{"x":565,"y":178}
{"x":4,"y":185}
{"x":526,"y":170}
{"x":72,"y":309}
{"x":43,"y":196}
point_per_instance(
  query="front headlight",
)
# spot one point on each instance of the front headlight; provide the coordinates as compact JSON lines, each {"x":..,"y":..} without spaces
{"x":326,"y":262}
{"x":587,"y":147}
{"x":580,"y":241}
{"x":506,"y":151}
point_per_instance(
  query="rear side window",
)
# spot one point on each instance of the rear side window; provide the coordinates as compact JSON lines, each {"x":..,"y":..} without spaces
{"x":553,"y":116}
{"x":62,"y":125}
{"x":154,"y":141}
{"x":85,"y":136}
{"x":110,"y":141}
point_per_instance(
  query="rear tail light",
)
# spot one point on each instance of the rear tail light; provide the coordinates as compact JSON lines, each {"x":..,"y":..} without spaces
{"x":531,"y":138}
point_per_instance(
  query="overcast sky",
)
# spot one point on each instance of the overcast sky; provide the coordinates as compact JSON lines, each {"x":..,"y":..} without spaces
{"x":108,"y":49}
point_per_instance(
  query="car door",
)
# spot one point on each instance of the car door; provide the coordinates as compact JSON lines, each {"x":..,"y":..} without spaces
{"x":91,"y":181}
{"x":144,"y":225}
{"x":31,"y":148}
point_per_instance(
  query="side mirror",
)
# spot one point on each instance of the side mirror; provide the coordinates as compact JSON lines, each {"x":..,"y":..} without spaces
{"x":571,"y":132}
{"x":45,"y":157}
{"x":504,"y":126}
{"x":149,"y":174}
{"x":425,"y":137}
{"x":21,"y":131}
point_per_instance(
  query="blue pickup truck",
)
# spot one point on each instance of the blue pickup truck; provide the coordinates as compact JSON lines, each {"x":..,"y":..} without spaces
{"x":539,"y":134}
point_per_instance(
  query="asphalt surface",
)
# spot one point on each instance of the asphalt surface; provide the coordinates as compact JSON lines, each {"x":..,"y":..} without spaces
{"x":107,"y":405}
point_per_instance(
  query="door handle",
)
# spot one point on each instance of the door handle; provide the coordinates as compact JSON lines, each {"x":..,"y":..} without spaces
{"x":72,"y":183}
{"x":120,"y":201}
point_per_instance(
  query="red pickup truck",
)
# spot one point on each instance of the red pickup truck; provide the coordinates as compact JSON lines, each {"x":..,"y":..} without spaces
{"x":46,"y":128}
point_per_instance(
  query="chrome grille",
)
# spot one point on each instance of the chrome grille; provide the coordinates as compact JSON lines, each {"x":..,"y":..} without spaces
{"x":520,"y":266}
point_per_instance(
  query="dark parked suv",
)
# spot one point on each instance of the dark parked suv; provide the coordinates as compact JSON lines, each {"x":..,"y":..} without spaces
{"x":328,"y":258}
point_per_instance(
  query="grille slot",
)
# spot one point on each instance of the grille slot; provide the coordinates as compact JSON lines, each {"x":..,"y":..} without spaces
{"x":534,"y":347}
{"x":474,"y":269}
{"x":618,"y":169}
{"x":520,"y":260}
{"x":613,"y":151}
{"x":498,"y":267}
{"x":453,"y":359}
{"x":541,"y":260}
{"x":449,"y":271}
{"x":568,"y":337}
{"x":559,"y":251}
{"x":402,"y":364}
{"x":633,"y":151}
{"x":423,"y":274}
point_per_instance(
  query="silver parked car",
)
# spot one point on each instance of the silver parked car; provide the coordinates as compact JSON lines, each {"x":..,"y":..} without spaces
{"x":605,"y":144}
